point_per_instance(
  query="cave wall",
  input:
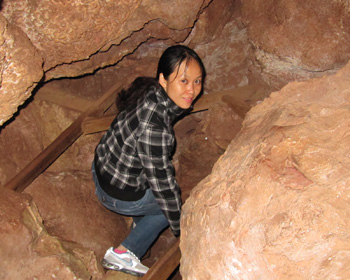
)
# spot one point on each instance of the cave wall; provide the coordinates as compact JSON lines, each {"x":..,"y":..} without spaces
{"x":297,"y":40}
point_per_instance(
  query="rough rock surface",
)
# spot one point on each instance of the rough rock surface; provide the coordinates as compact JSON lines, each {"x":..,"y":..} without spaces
{"x":276,"y":205}
{"x":296,"y":39}
{"x":41,"y":256}
{"x":20,"y":69}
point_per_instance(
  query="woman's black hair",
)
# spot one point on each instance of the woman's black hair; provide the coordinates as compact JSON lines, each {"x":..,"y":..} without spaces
{"x":127,"y":99}
{"x":169,"y":62}
{"x":172,"y":58}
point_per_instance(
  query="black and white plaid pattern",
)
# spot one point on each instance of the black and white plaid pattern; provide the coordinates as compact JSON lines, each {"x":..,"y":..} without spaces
{"x":135,"y":153}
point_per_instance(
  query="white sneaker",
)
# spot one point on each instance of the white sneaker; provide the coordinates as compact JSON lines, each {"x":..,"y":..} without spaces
{"x":126,"y":262}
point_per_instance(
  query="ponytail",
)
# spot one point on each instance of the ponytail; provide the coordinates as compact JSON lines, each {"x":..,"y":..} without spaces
{"x":127,"y":99}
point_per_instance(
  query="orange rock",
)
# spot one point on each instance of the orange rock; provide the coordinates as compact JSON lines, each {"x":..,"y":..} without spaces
{"x":276,"y":205}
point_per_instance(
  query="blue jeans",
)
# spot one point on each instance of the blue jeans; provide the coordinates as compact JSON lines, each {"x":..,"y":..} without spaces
{"x":147,"y":215}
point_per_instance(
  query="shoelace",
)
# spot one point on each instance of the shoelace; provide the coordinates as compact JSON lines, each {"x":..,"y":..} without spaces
{"x":131,"y":253}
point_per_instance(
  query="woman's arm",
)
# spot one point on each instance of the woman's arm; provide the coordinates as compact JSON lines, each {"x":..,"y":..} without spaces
{"x":154,"y":147}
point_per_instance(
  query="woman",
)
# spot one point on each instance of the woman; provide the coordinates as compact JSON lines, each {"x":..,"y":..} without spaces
{"x":132,"y":167}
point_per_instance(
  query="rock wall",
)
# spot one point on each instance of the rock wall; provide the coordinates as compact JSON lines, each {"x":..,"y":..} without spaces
{"x":295,"y":39}
{"x":276,"y":205}
{"x":28,"y":251}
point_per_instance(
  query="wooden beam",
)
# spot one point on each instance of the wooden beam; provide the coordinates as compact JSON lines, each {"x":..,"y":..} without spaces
{"x":97,"y":124}
{"x":163,"y":268}
{"x":32,"y":170}
{"x":63,"y":99}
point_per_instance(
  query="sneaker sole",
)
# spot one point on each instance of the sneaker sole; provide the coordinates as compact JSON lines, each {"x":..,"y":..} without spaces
{"x":113,"y":266}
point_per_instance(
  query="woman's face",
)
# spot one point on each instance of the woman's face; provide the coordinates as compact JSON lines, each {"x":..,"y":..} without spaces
{"x":184,"y":84}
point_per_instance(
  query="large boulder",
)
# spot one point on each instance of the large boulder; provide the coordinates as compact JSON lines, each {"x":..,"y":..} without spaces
{"x":276,"y":205}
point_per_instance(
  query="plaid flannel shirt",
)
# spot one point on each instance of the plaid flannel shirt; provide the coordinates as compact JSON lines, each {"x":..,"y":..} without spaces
{"x":135,"y":153}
